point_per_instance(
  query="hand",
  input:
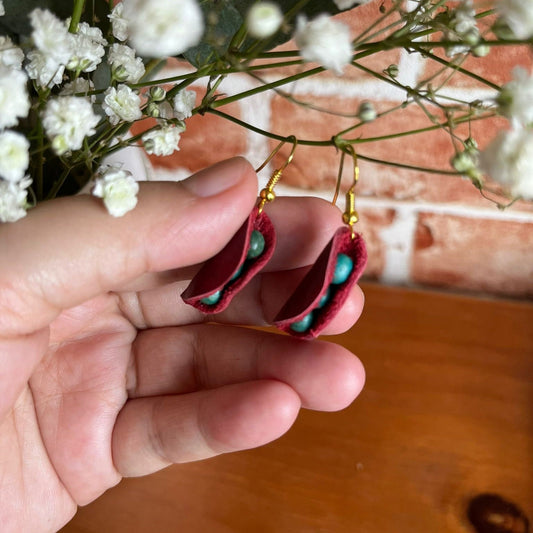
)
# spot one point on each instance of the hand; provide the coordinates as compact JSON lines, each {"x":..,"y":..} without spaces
{"x":105,"y":372}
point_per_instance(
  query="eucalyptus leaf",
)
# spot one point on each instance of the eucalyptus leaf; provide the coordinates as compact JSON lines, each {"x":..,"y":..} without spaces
{"x":222,"y":22}
{"x":224,"y":18}
{"x":16,"y":22}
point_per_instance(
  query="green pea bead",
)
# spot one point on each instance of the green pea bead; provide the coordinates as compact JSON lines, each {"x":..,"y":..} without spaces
{"x":212,"y":299}
{"x":237,"y":274}
{"x":303,"y":325}
{"x":343,"y":269}
{"x":257,"y":245}
{"x":324,"y":300}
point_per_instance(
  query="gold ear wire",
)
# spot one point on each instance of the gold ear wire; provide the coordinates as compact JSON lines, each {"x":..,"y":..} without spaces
{"x":350,"y":215}
{"x":267,"y":194}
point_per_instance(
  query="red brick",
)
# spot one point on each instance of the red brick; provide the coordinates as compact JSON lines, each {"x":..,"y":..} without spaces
{"x":494,"y":256}
{"x":496,"y":67}
{"x":371,"y":222}
{"x":317,"y":167}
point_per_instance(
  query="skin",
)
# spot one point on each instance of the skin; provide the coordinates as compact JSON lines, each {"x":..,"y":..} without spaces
{"x":106,"y":373}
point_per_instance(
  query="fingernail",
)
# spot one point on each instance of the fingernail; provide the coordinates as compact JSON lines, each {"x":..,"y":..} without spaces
{"x":216,"y":179}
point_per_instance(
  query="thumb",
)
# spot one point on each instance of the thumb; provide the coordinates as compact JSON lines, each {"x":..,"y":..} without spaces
{"x":70,"y":249}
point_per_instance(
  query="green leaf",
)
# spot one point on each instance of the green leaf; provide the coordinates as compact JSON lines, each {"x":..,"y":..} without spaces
{"x":222,"y":22}
{"x":16,"y":21}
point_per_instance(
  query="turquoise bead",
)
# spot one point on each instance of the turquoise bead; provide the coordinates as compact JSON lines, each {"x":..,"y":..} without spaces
{"x":303,"y":325}
{"x":257,"y":245}
{"x":343,"y":269}
{"x":237,"y":274}
{"x":212,"y":299}
{"x":324,"y":300}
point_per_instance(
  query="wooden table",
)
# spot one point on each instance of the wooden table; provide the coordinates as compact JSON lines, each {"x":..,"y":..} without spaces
{"x":446,"y":414}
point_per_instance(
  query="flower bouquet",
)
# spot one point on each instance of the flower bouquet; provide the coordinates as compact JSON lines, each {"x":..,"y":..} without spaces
{"x":75,"y":76}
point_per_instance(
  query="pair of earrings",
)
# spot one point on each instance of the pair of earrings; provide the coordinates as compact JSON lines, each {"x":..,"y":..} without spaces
{"x":321,"y":293}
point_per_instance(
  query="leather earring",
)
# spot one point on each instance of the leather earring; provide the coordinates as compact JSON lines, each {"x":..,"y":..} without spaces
{"x":326,"y":287}
{"x":224,"y":275}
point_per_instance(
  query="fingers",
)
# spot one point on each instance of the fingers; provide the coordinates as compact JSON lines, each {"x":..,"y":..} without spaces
{"x":257,"y":304}
{"x":151,"y":433}
{"x":68,"y":250}
{"x":303,"y":227}
{"x":325,"y":376}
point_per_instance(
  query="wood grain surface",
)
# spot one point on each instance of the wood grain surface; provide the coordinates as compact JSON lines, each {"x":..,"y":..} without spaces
{"x":446,"y":414}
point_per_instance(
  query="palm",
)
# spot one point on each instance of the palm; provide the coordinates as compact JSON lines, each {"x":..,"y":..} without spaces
{"x":61,"y":428}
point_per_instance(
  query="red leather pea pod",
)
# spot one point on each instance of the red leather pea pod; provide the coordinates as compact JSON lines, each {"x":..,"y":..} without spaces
{"x":216,"y":273}
{"x":307,"y":295}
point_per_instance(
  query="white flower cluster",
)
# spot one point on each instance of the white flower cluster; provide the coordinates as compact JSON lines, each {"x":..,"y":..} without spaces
{"x":324,"y":41}
{"x":117,"y":188}
{"x":14,"y":147}
{"x":518,"y":15}
{"x":508,"y":159}
{"x":462,"y":29}
{"x":321,"y":40}
{"x":71,"y":112}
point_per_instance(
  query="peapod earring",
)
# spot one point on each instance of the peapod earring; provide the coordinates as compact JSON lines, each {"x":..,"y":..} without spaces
{"x":325,"y":288}
{"x":224,"y":275}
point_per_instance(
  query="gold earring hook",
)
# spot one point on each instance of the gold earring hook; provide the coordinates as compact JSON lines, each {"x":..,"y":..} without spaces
{"x":350,"y":215}
{"x":267,"y":194}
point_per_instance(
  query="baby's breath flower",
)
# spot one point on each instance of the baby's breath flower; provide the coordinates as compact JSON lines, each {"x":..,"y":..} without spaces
{"x":518,"y":15}
{"x":13,"y":199}
{"x":160,"y":28}
{"x":509,"y":160}
{"x":264,"y":19}
{"x":119,"y":25}
{"x":14,"y":100}
{"x":324,"y":41}
{"x":347,"y":4}
{"x":51,"y":36}
{"x":367,"y":112}
{"x":10,"y":55}
{"x":124,"y":65}
{"x":88,"y":48}
{"x":117,"y":188}
{"x":183,"y":104}
{"x":44,"y":70}
{"x":67,"y":120}
{"x":14,"y":155}
{"x":463,"y":29}
{"x":516,"y":98}
{"x":78,"y":87}
{"x":162,"y":141}
{"x":122,"y":104}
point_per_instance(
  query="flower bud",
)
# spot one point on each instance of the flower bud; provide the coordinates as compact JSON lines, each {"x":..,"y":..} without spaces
{"x":120,"y":73}
{"x":157,"y":93}
{"x":481,"y":50}
{"x":152,"y":110}
{"x":502,"y":30}
{"x":463,"y":162}
{"x":264,"y":19}
{"x":392,"y":70}
{"x":366,"y":112}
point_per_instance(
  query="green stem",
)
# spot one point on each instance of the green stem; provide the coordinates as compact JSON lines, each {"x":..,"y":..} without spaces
{"x":58,"y":184}
{"x":266,"y":87}
{"x":39,"y":193}
{"x":457,"y":68}
{"x":331,"y":142}
{"x":77,"y":10}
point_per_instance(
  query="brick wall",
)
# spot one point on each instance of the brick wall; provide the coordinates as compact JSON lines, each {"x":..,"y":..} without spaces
{"x":422,"y":229}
